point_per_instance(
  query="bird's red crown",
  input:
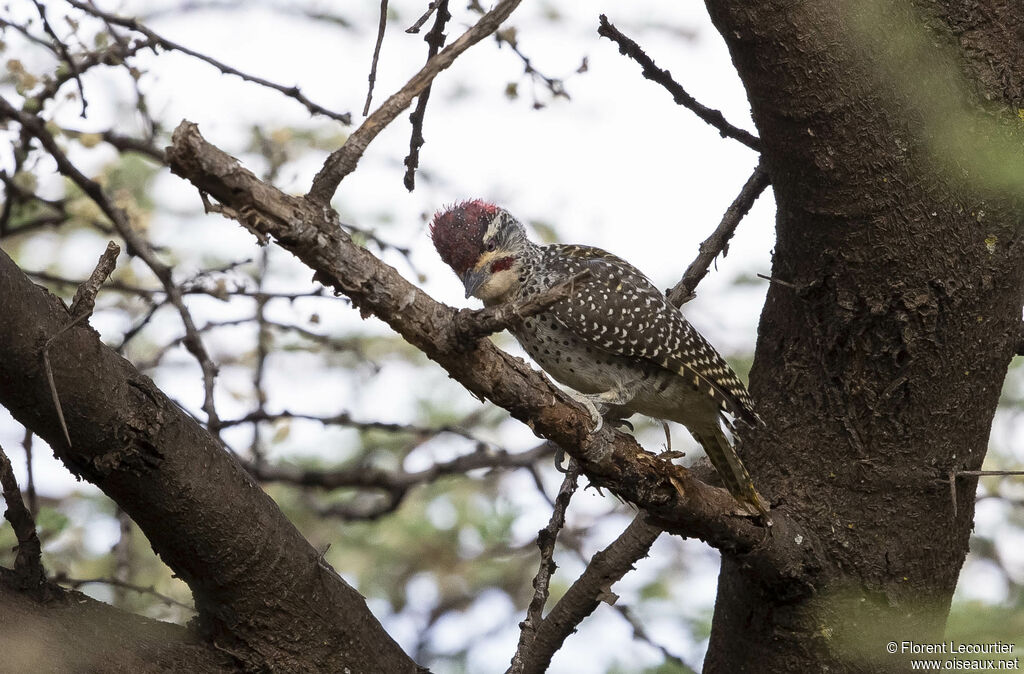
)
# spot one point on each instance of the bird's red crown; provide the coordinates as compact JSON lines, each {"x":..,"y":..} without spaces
{"x":458,"y":232}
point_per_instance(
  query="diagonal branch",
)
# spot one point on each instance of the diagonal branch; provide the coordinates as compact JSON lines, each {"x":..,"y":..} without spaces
{"x":718,"y":242}
{"x":590,"y":589}
{"x":64,"y":54}
{"x":546,"y":538}
{"x":663,"y":77}
{"x":343,"y":161}
{"x":309,"y":230}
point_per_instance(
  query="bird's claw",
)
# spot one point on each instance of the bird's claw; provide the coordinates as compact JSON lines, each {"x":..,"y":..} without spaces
{"x":595,"y":414}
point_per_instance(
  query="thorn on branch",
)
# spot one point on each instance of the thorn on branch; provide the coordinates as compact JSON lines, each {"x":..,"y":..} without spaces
{"x":652,"y":72}
{"x":81,"y":309}
{"x":470,"y":325}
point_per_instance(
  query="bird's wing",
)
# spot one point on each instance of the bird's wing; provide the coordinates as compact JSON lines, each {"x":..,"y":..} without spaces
{"x":618,"y":310}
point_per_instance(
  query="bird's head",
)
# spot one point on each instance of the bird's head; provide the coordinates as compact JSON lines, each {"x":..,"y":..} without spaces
{"x":483,"y":244}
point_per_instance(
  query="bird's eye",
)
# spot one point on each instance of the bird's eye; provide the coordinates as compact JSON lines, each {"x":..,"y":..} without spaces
{"x":491,"y":245}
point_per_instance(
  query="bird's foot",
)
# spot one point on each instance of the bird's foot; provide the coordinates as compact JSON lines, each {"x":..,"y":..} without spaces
{"x":591,"y":402}
{"x":599,"y":404}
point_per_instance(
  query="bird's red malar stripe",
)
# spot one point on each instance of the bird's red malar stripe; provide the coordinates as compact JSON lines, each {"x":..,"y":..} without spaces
{"x":501,"y":265}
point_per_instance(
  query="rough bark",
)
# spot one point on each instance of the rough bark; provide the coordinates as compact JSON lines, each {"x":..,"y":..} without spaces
{"x":261,"y":590}
{"x":880,"y":361}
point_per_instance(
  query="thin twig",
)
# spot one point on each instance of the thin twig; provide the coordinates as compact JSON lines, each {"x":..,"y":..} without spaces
{"x":393,"y":487}
{"x":554,"y":85}
{"x":954,"y":474}
{"x":546,"y":538}
{"x":718,"y":242}
{"x":76,"y":583}
{"x":639,"y":632}
{"x":415,"y":28}
{"x":987,"y":473}
{"x":115,"y":53}
{"x":381,"y":25}
{"x":588,"y":591}
{"x":137,"y":245}
{"x":64,"y":54}
{"x":48,"y":369}
{"x":219,"y":293}
{"x":778,"y":281}
{"x":435,"y":40}
{"x":663,"y":77}
{"x":473,"y":324}
{"x":368,"y":477}
{"x":85,"y":297}
{"x":28,"y":564}
{"x":345,"y":419}
{"x":343,"y":161}
{"x":291,"y":92}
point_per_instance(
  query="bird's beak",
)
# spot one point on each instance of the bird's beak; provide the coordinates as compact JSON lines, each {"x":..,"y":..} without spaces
{"x":473,"y":279}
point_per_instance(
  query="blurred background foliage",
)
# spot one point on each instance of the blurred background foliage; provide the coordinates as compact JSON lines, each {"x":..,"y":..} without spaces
{"x":305,"y":387}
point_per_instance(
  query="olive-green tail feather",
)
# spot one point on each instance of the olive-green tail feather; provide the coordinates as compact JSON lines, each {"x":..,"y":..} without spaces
{"x":734,"y":475}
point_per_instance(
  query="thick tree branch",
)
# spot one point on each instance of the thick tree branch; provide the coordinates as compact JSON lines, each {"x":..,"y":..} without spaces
{"x":609,"y":458}
{"x":343,"y":161}
{"x":262,"y":591}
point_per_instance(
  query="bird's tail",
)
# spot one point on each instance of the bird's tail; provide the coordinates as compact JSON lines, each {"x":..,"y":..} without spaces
{"x":734,"y":475}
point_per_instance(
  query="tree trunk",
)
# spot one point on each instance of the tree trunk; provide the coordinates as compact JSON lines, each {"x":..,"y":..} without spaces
{"x":895,"y":311}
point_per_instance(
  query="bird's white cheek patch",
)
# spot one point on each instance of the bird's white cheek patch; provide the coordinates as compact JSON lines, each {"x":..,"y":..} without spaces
{"x":497,"y":286}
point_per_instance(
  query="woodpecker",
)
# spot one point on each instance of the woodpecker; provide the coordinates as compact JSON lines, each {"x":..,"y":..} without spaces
{"x":616,"y":339}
